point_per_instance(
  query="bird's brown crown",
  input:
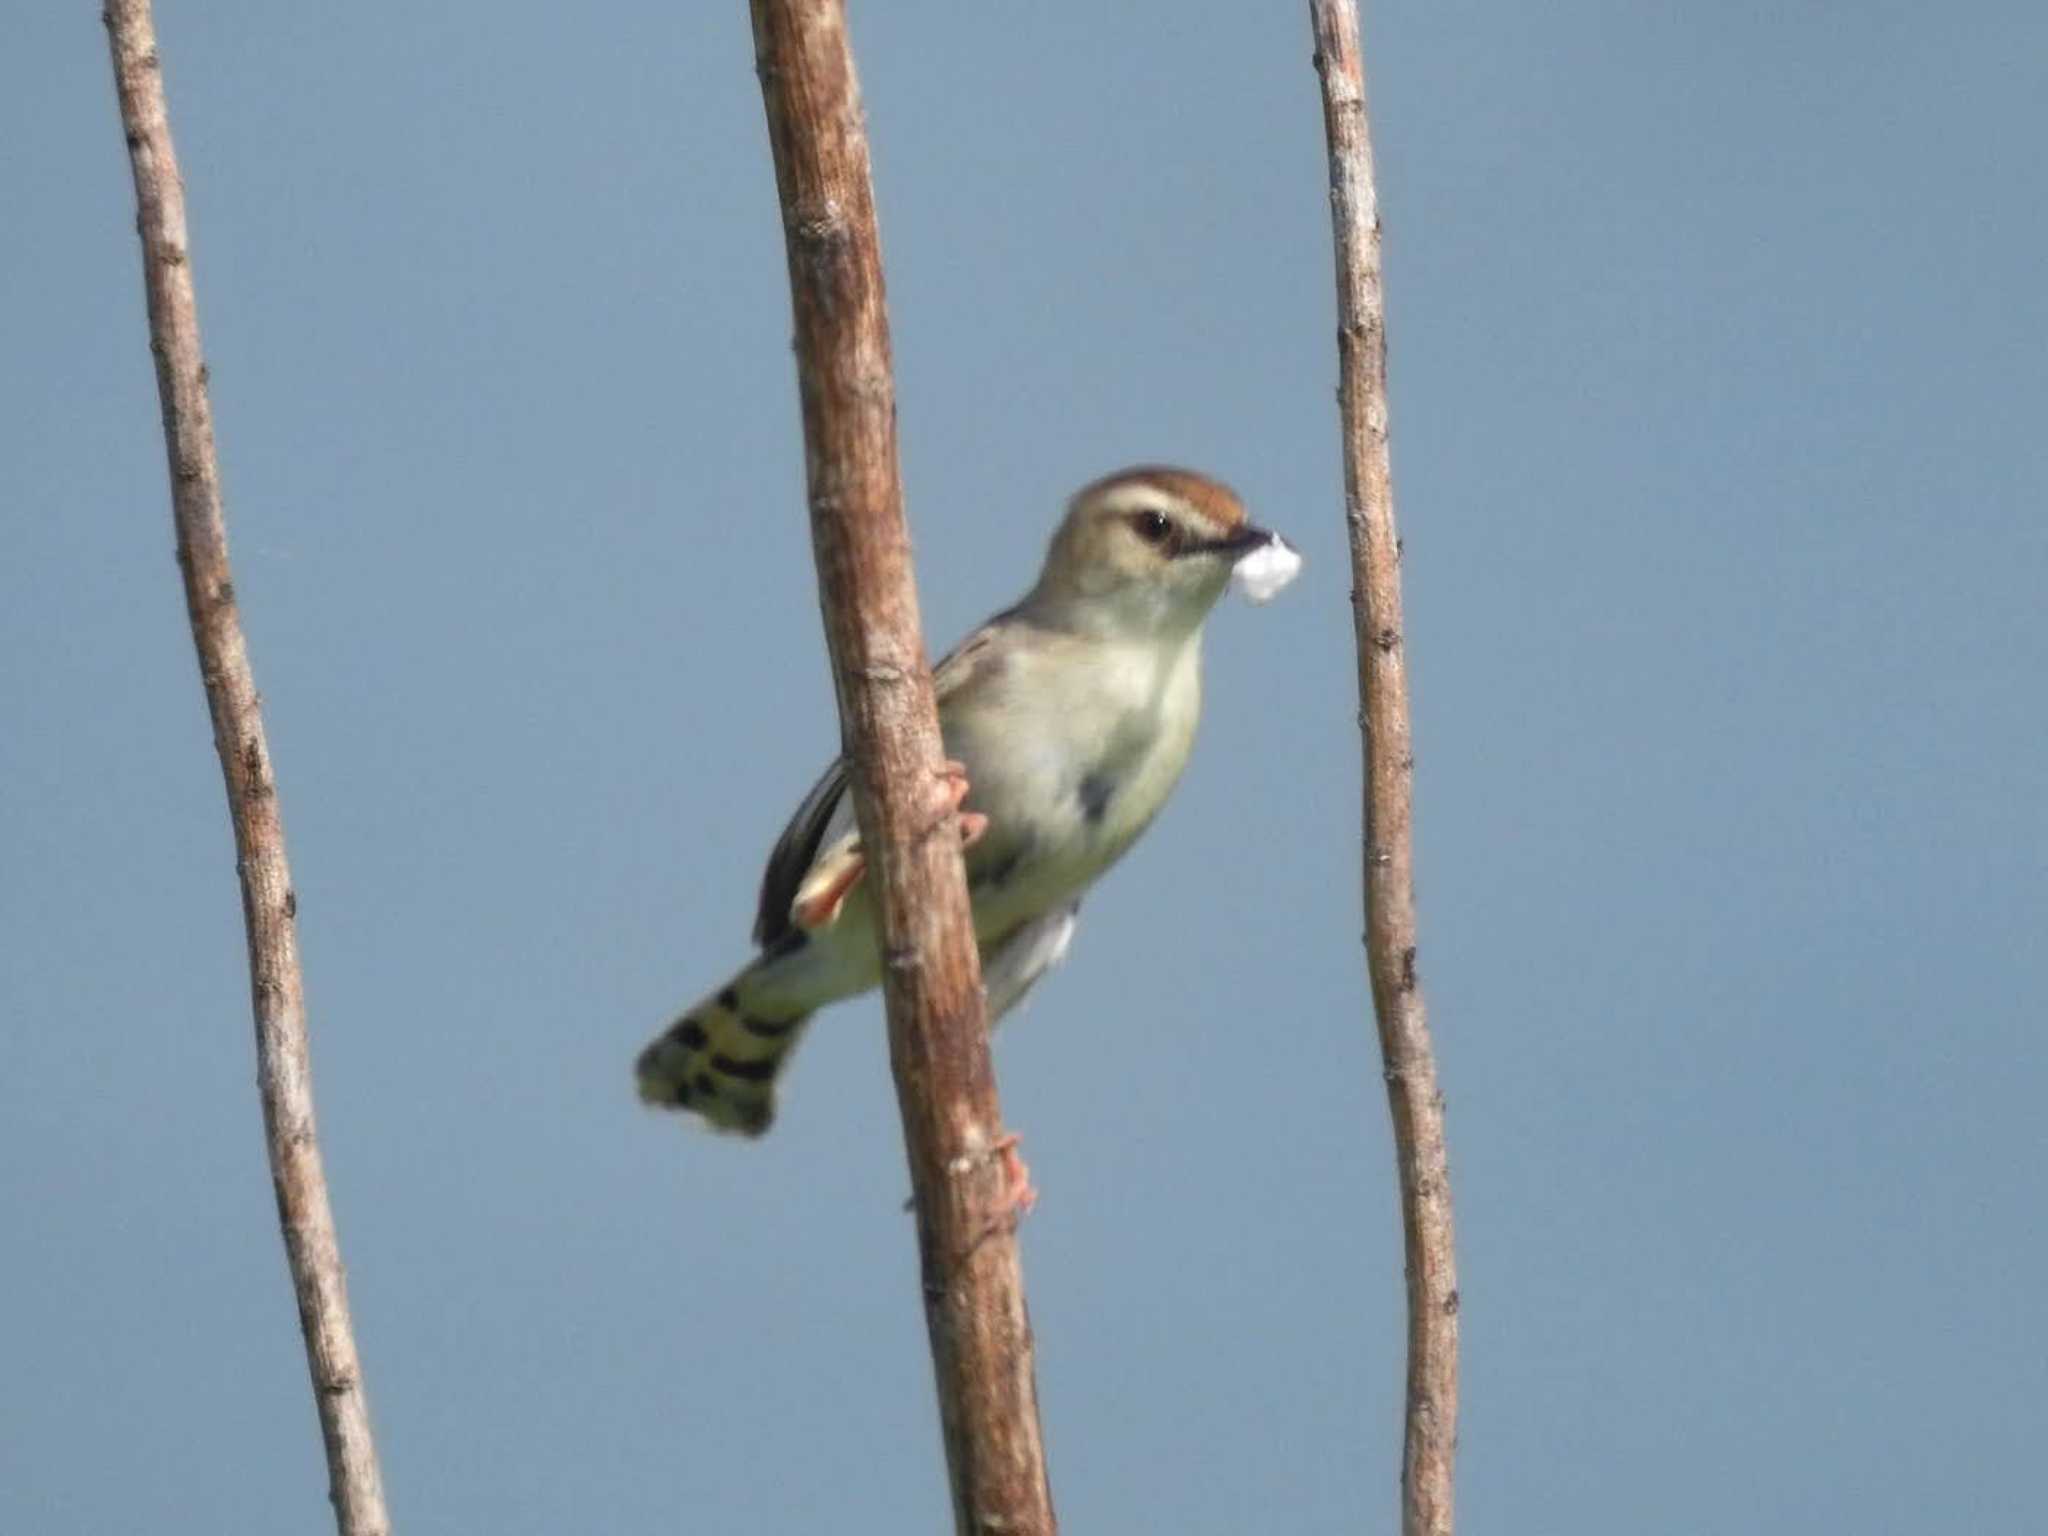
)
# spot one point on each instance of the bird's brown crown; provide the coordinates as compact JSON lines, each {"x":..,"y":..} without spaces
{"x":1213,"y":499}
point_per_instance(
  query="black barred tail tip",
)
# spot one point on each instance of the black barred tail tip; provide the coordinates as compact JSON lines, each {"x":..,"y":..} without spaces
{"x":721,"y":1062}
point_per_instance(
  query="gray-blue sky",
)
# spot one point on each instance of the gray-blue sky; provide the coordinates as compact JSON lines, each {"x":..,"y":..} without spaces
{"x":1718,"y":381}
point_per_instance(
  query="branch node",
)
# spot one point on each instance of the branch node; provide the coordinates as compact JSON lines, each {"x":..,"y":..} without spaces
{"x":258,"y":786}
{"x":822,"y":223}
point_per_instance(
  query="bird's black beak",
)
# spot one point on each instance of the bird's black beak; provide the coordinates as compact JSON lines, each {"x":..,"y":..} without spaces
{"x":1241,"y":542}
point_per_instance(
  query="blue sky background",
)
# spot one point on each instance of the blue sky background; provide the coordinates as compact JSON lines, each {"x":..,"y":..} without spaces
{"x":1718,"y":391}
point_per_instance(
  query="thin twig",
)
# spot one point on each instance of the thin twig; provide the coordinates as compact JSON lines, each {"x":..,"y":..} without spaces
{"x":938,"y":1041}
{"x":1410,"y":1060}
{"x":268,"y":905}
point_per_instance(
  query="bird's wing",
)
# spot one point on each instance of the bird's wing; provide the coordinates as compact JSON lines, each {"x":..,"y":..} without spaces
{"x":794,"y":853}
{"x":967,"y":664}
{"x":797,"y":851}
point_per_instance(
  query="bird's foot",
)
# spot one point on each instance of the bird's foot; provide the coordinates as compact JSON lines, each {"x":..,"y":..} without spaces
{"x":953,"y":788}
{"x":1018,"y":1195}
{"x":948,"y":794}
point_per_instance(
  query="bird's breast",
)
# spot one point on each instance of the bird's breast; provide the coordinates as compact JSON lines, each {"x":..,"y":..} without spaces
{"x":1070,"y":766}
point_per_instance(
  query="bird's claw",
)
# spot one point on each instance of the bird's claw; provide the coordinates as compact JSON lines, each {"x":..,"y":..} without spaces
{"x":949,"y":794}
{"x":1018,"y":1195}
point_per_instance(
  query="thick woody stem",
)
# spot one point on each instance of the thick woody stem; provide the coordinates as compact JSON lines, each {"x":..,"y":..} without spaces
{"x":269,"y":908}
{"x":1410,"y":1060}
{"x":938,"y":1038}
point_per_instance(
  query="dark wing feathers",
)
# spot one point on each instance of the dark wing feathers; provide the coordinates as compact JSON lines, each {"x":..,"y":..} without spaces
{"x":795,"y":851}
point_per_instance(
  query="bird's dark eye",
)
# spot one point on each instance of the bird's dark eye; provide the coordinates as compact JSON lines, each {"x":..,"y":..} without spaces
{"x":1153,"y":526}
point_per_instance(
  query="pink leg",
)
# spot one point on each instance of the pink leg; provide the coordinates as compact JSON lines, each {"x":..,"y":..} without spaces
{"x":1018,"y":1196}
{"x":949,"y":790}
{"x":950,"y":796}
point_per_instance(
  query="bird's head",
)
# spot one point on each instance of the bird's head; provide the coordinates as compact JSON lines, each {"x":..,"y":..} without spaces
{"x":1146,"y":551}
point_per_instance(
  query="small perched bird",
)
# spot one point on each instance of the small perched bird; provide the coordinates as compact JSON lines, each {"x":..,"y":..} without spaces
{"x":1068,"y":718}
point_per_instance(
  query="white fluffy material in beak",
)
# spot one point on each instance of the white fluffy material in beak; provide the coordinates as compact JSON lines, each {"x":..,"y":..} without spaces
{"x":1262,"y":571}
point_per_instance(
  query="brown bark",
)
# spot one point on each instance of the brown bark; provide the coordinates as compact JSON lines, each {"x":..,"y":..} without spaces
{"x":1410,"y":1061}
{"x":284,"y":1077}
{"x":938,"y":1039}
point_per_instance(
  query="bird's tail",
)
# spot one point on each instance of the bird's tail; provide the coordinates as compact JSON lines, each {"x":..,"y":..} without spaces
{"x":721,"y":1058}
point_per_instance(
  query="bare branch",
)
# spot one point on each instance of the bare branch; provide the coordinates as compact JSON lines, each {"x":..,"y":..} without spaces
{"x":938,"y":1038}
{"x":1410,"y":1060}
{"x":268,"y":906}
